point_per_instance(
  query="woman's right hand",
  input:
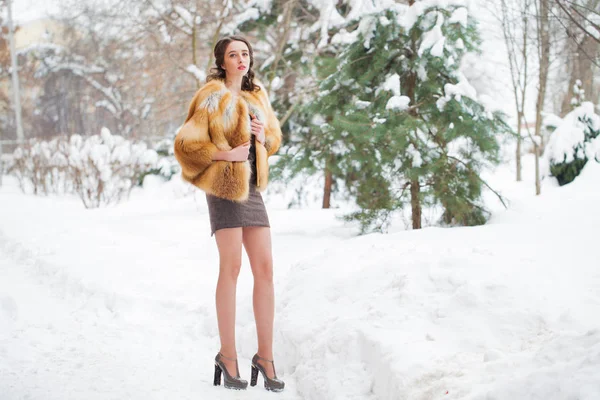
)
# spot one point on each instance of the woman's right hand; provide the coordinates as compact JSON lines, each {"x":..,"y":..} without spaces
{"x":240,"y":153}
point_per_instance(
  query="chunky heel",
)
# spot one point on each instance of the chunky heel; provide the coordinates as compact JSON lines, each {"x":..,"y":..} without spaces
{"x":217,"y":375}
{"x":253,"y":376}
{"x":229,"y":381}
{"x":273,"y":384}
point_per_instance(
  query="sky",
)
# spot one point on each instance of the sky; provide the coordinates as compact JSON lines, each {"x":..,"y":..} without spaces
{"x":29,"y":10}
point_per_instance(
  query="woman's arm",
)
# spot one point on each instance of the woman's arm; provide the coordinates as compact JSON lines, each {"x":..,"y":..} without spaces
{"x":239,"y":153}
{"x":193,"y":149}
{"x":221,"y":156}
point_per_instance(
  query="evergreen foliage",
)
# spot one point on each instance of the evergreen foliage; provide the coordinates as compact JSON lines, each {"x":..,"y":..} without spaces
{"x":393,"y":111}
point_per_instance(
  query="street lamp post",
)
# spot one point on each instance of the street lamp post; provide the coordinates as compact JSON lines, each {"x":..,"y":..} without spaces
{"x":15,"y":73}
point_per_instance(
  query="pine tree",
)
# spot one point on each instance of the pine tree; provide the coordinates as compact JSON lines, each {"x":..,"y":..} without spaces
{"x":399,"y":124}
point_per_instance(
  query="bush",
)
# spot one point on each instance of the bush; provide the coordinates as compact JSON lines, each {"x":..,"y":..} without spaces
{"x":100,"y":169}
{"x":575,"y":141}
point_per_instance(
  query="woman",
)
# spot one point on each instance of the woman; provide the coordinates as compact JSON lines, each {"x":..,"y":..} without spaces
{"x":223,"y":147}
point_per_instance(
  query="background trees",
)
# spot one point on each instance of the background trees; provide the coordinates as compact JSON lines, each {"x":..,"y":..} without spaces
{"x":373,"y":97}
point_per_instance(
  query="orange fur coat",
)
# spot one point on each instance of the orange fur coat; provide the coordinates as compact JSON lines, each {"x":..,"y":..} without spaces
{"x":216,"y":121}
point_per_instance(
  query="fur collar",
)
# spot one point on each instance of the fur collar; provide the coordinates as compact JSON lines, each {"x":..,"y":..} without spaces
{"x":218,"y":95}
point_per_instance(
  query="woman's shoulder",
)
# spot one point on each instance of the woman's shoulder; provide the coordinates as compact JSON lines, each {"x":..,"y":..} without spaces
{"x":212,"y":87}
{"x":209,"y":95}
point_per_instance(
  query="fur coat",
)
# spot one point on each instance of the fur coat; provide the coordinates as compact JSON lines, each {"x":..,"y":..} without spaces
{"x":218,"y":122}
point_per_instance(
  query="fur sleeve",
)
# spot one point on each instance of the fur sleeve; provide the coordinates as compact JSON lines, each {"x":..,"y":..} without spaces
{"x":272,"y":127}
{"x":193,"y":148}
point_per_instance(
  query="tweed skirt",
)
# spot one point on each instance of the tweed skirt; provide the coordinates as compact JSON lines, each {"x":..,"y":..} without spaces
{"x":225,"y":213}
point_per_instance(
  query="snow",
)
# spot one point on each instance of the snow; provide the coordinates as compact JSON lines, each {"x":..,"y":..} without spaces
{"x":361,"y":104}
{"x":570,"y":134}
{"x":263,"y":5}
{"x":434,"y":38}
{"x":414,"y":12}
{"x":162,"y":27}
{"x":462,"y":88}
{"x":328,"y":18}
{"x":184,"y":14}
{"x":367,"y":27}
{"x":197,"y":72}
{"x":412,"y":15}
{"x":417,"y":161}
{"x":362,"y":10}
{"x":392,"y":83}
{"x":398,"y":103}
{"x":592,"y":23}
{"x":460,"y":16}
{"x":107,"y":105}
{"x":438,"y":48}
{"x":118,"y":302}
{"x":238,"y":19}
{"x":276,"y":83}
{"x":343,"y":37}
{"x":359,"y":8}
{"x":551,"y":120}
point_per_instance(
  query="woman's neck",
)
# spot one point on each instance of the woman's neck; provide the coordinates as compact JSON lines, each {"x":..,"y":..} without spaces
{"x":234,"y":84}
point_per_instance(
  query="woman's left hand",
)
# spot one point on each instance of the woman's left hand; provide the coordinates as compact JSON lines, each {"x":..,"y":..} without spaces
{"x":258,"y":129}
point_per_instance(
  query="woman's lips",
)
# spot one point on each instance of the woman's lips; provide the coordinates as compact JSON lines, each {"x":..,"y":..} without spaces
{"x":242,"y":67}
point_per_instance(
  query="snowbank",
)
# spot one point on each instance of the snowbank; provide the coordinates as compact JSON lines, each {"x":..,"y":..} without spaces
{"x":119,"y":302}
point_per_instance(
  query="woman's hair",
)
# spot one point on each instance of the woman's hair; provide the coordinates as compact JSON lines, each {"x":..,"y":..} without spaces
{"x":219,"y":73}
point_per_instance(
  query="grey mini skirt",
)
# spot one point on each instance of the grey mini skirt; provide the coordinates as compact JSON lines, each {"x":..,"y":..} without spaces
{"x":224,"y":213}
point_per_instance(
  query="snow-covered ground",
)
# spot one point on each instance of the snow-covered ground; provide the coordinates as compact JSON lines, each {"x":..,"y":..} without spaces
{"x":118,"y":303}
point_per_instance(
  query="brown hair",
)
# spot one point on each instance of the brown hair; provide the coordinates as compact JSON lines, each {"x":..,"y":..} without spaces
{"x":219,"y":73}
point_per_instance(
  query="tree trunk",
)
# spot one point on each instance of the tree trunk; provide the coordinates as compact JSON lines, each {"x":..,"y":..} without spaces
{"x":514,"y":20}
{"x":415,"y":203}
{"x":216,"y":36}
{"x":194,"y":56}
{"x":582,"y":51}
{"x":285,"y":29}
{"x":518,"y":155}
{"x":544,"y":53}
{"x":411,"y":86}
{"x":582,"y":56}
{"x":15,"y":75}
{"x":327,"y":188}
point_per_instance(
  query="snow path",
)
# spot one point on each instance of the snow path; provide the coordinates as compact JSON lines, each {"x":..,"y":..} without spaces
{"x":118,"y":303}
{"x":101,"y":304}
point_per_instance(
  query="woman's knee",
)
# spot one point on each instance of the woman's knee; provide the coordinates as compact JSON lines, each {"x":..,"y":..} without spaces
{"x":230,"y":270}
{"x":263,"y":271}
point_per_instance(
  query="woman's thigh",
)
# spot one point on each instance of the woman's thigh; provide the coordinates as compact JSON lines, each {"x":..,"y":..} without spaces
{"x":257,"y":242}
{"x":229,"y":243}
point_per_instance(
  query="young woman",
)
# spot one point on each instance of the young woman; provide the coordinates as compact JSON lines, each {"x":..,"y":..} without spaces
{"x":223,"y":147}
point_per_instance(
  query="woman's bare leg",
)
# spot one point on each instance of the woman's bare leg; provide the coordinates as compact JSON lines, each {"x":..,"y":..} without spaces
{"x":257,"y":242}
{"x":229,"y":243}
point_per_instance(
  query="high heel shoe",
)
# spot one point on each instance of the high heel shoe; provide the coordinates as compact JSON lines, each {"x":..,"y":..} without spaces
{"x":273,"y":384}
{"x":230,"y":381}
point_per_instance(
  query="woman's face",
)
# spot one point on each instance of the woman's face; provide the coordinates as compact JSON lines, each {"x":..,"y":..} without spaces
{"x":237,"y":59}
